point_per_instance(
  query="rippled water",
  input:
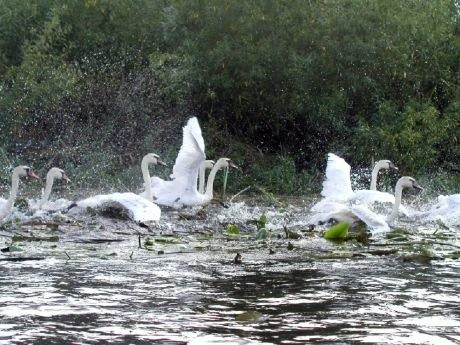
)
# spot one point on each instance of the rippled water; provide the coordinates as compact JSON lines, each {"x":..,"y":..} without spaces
{"x":119,"y":293}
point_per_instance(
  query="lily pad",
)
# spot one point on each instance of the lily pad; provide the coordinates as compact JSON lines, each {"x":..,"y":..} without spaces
{"x":250,"y":315}
{"x":337,"y":232}
{"x":233,"y":229}
{"x":262,"y":234}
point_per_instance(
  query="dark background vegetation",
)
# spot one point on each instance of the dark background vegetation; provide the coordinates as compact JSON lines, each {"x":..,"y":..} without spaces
{"x":93,"y":85}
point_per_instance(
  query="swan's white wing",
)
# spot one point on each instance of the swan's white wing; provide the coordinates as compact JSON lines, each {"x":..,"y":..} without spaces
{"x":337,"y":185}
{"x":376,"y":222}
{"x":138,"y":208}
{"x":191,"y":155}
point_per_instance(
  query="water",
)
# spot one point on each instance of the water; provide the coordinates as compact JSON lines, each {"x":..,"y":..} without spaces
{"x":318,"y":292}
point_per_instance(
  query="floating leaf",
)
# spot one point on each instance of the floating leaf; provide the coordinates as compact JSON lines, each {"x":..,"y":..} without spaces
{"x":291,"y":234}
{"x":148,"y":242}
{"x":250,"y":315}
{"x":233,"y":229}
{"x":262,"y":234}
{"x":337,"y":232}
{"x":259,"y":223}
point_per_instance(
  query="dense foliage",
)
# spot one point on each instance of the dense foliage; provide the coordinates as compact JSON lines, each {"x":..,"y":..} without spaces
{"x":285,"y":81}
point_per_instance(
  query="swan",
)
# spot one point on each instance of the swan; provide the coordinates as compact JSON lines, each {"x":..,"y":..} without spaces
{"x":207,"y":164}
{"x":185,"y":193}
{"x":137,"y":207}
{"x":52,"y":175}
{"x":352,"y":214}
{"x":191,"y":155}
{"x":182,"y":189}
{"x":7,"y":205}
{"x":337,"y":185}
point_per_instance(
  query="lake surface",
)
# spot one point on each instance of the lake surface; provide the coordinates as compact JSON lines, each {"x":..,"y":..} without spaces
{"x":94,"y":284}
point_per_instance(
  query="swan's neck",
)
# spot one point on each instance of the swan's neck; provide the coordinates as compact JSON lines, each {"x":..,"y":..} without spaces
{"x":146,"y":177}
{"x":46,"y":194}
{"x":13,"y":193}
{"x":398,"y":196}
{"x":201,"y":178}
{"x":209,"y":194}
{"x":378,"y":166}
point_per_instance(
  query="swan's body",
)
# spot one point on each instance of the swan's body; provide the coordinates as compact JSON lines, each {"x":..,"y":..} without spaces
{"x":7,"y":205}
{"x":354,"y":213}
{"x":138,"y":208}
{"x":337,"y":185}
{"x":207,"y":164}
{"x":185,"y":192}
{"x":182,"y":189}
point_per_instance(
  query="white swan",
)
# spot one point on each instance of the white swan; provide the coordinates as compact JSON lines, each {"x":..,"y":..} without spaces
{"x":138,"y":208}
{"x":354,"y":213}
{"x":337,"y":185}
{"x":188,"y":161}
{"x":182,"y":189}
{"x":207,"y":164}
{"x":52,"y":175}
{"x":37,"y":206}
{"x":184,"y":192}
{"x":7,"y":205}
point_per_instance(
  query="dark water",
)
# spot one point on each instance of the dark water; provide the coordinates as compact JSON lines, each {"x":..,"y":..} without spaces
{"x":117,"y":293}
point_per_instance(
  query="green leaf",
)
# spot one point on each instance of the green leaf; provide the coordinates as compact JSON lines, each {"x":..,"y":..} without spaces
{"x":233,"y":229}
{"x":250,"y":315}
{"x":262,"y":234}
{"x":337,"y":232}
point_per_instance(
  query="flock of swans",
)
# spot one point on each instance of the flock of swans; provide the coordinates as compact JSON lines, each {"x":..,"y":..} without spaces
{"x":181,"y":190}
{"x":187,"y":186}
{"x":341,"y":203}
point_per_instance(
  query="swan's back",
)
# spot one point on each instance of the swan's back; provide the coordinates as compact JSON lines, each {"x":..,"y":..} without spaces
{"x":138,"y":208}
{"x":337,"y":185}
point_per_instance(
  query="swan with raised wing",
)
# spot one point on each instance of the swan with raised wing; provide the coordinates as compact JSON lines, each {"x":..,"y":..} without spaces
{"x":182,"y":189}
{"x":20,"y":171}
{"x":337,"y":186}
{"x":354,"y":213}
{"x":137,"y":208}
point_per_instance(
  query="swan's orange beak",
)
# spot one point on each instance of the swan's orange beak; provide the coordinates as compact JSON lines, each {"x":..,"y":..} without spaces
{"x":65,"y":178}
{"x":415,"y":185}
{"x":31,"y":173}
{"x":232,"y":165}
{"x":159,"y":161}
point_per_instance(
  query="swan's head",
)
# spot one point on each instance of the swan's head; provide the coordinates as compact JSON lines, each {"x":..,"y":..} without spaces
{"x":226,"y":163}
{"x":409,"y":182}
{"x":153,"y":158}
{"x":59,"y":174}
{"x":386,"y":164}
{"x":24,"y":170}
{"x":208,"y":164}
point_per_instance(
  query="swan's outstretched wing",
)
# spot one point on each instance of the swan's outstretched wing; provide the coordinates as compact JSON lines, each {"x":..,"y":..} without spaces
{"x":138,"y":208}
{"x":376,"y":222}
{"x":337,"y":185}
{"x":191,"y":155}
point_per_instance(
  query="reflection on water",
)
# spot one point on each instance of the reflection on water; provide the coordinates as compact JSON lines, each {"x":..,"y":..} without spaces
{"x":117,"y":293}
